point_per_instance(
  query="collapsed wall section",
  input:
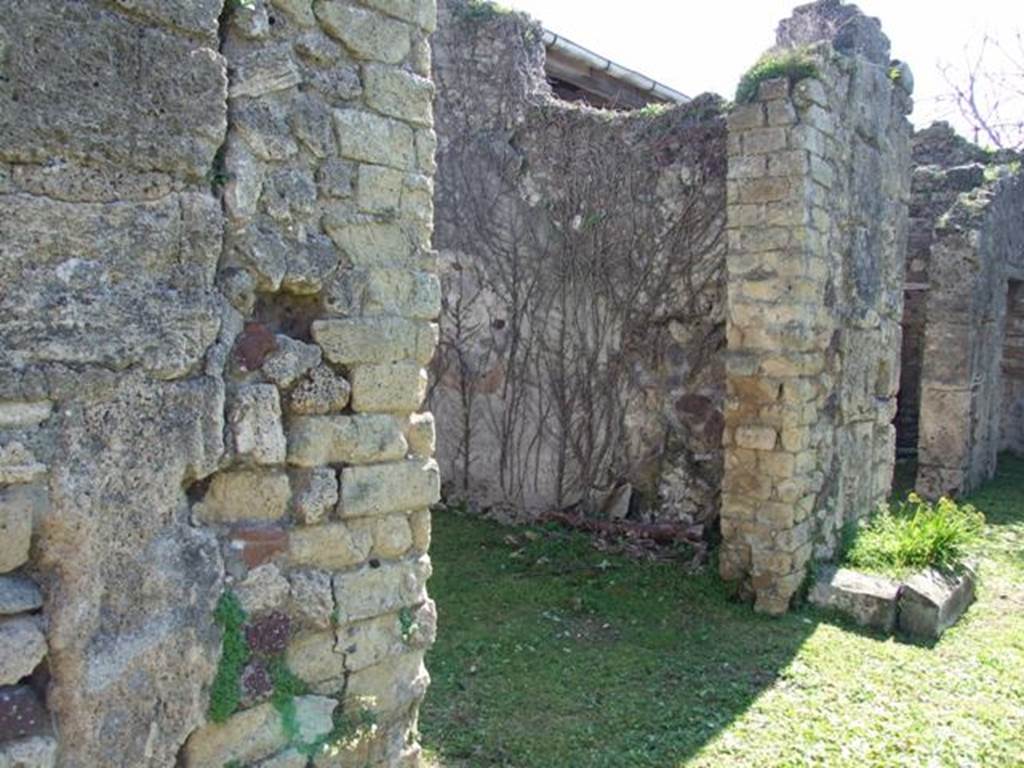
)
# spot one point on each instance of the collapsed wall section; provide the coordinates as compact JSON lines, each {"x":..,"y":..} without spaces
{"x":215,"y":231}
{"x":817,"y":205}
{"x":582,"y":257}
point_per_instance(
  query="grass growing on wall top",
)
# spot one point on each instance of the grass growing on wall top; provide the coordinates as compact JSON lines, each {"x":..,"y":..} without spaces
{"x":551,"y":653}
{"x":484,"y":9}
{"x":795,"y":64}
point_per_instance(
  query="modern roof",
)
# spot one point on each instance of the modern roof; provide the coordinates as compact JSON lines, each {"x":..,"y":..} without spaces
{"x":578,"y":73}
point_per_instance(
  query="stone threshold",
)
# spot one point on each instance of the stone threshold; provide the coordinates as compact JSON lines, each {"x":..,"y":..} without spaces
{"x":923,"y":606}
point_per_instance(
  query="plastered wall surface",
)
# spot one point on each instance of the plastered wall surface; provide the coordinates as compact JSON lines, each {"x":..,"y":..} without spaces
{"x":581,"y":362}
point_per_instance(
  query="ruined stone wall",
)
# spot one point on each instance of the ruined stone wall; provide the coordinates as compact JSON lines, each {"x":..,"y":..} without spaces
{"x":582,"y":260}
{"x":970,"y":400}
{"x":944,"y":166}
{"x":1012,"y":434}
{"x":215,"y":240}
{"x":817,"y":208}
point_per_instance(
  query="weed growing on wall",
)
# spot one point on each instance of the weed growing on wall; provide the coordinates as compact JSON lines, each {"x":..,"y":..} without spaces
{"x":225,"y":693}
{"x":915,"y":534}
{"x":407,"y":623}
{"x":795,"y":64}
{"x":482,"y":10}
{"x":653,"y":109}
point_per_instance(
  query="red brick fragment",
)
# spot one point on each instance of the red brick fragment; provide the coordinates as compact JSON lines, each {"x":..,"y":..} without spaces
{"x":253,"y":345}
{"x":257,"y":545}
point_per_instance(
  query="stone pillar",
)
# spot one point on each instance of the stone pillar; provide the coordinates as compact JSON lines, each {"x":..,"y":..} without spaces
{"x":818,"y":176}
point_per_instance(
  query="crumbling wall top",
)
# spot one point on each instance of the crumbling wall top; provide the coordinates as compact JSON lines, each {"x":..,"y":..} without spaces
{"x":848,"y":29}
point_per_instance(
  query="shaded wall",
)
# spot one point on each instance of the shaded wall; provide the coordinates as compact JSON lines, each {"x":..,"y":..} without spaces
{"x":945,"y":165}
{"x":583,"y":271}
{"x":215,"y":240}
{"x":819,"y":176}
{"x":973,"y":226}
{"x":1012,"y":438}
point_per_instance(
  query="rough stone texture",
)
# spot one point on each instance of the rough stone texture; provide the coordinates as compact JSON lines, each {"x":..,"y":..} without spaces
{"x":332,"y":547}
{"x":945,"y":167}
{"x":20,"y":415}
{"x":15,"y":528}
{"x":388,"y":388}
{"x":37,"y":752}
{"x":373,"y":591}
{"x":180,"y":202}
{"x":263,"y":589}
{"x":255,"y":419}
{"x":420,"y":434}
{"x":19,"y":594}
{"x":931,"y":602}
{"x":962,"y":394}
{"x":18,"y":464}
{"x":817,"y":221}
{"x":391,"y":685}
{"x":290,"y":361}
{"x":22,"y":647}
{"x":384,"y":488}
{"x":869,"y":600}
{"x":314,"y":440}
{"x":312,"y":599}
{"x":375,"y":340}
{"x":246,"y":737}
{"x":245,"y":494}
{"x":137,"y":124}
{"x":370,"y":642}
{"x":290,"y":758}
{"x":566,"y":366}
{"x":316,"y":494}
{"x":132,"y":584}
{"x":323,"y":391}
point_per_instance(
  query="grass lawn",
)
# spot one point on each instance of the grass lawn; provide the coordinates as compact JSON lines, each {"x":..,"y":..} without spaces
{"x":554,"y":655}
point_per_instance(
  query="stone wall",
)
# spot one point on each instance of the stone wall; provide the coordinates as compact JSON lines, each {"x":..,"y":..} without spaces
{"x":817,"y":209}
{"x":583,"y":270}
{"x":215,"y":235}
{"x":1012,"y":435}
{"x":967,"y":238}
{"x":944,"y":166}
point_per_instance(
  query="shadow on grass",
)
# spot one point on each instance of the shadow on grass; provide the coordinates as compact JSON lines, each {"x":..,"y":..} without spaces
{"x":554,"y":654}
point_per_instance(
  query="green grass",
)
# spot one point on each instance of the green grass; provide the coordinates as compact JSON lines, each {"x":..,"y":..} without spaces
{"x":915,"y":534}
{"x":795,"y":64}
{"x":554,"y":655}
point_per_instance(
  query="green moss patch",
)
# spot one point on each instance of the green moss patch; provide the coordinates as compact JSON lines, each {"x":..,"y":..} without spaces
{"x":794,"y":64}
{"x":226,"y":690}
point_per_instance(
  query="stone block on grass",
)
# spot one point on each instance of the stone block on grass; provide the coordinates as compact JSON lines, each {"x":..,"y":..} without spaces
{"x":868,"y":600}
{"x":931,"y":602}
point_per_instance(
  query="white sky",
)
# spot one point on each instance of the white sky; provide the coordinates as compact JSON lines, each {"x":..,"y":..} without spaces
{"x":706,"y":46}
